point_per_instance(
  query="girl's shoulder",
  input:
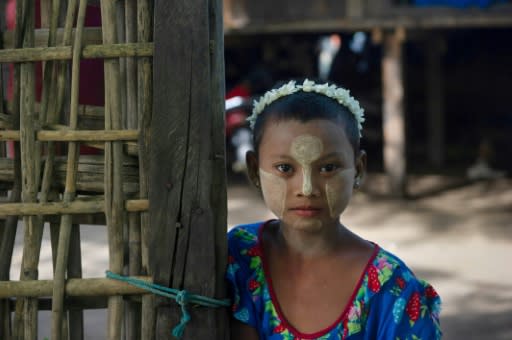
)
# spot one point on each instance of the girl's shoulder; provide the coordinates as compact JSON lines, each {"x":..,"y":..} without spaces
{"x":397,"y":293}
{"x":387,"y":269}
{"x":244,"y":235}
{"x":243,"y":241}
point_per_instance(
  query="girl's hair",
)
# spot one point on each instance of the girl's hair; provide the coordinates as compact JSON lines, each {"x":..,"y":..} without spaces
{"x":304,"y":107}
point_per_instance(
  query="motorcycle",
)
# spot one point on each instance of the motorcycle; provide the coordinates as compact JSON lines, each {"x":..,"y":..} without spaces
{"x":238,"y":132}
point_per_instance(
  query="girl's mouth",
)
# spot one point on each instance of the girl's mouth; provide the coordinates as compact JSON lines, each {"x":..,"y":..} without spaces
{"x":306,"y":211}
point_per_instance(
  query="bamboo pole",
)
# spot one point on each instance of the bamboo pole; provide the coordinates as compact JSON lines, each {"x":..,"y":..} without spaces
{"x":30,"y":155}
{"x":65,"y":52}
{"x":74,"y":287}
{"x":133,"y":319}
{"x":145,"y":110}
{"x":75,"y":315}
{"x":8,"y":237}
{"x":69,"y":193}
{"x":113,"y":165}
{"x":74,"y":135}
{"x":77,"y":206}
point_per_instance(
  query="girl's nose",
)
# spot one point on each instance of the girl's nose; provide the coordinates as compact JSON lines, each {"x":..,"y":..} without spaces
{"x":306,"y":186}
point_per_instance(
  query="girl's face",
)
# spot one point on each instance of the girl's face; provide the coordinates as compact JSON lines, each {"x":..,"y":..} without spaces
{"x":307,"y":172}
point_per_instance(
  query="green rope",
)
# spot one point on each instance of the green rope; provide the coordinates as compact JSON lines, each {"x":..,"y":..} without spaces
{"x":182,"y":297}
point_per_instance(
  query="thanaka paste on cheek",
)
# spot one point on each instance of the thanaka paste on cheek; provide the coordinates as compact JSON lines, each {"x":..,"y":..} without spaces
{"x":306,"y":149}
{"x":274,"y":192}
{"x":338,"y":191}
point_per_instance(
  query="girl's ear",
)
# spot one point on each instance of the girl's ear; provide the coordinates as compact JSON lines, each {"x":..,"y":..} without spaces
{"x":252,"y":167}
{"x":361,"y":165}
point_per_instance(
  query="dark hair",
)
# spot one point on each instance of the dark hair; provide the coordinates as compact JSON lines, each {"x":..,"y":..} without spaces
{"x":304,"y":107}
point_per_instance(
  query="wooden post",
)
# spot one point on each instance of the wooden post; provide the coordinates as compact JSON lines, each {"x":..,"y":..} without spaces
{"x":435,"y":99}
{"x":393,"y":121}
{"x":187,"y":178}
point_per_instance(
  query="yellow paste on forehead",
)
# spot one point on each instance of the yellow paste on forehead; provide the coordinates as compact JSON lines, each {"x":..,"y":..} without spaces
{"x":306,"y":149}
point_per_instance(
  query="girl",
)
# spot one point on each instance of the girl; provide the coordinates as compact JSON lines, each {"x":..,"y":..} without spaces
{"x":305,"y":275}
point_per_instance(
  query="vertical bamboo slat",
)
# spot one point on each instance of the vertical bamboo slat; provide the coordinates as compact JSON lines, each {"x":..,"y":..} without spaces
{"x":145,"y":109}
{"x":11,"y":224}
{"x":29,"y":163}
{"x":113,"y":165}
{"x":133,"y":318}
{"x":76,"y":318}
{"x":69,"y":194}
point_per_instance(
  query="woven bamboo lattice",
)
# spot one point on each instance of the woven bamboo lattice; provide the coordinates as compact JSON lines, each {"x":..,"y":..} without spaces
{"x":47,"y":178}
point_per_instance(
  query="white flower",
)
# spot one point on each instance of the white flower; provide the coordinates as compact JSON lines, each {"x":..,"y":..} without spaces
{"x":307,"y":85}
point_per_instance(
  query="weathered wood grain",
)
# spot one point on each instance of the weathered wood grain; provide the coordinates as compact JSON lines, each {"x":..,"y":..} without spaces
{"x":182,"y":195}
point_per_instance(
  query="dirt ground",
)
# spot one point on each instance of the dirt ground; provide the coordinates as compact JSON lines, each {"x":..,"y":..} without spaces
{"x":456,"y":235}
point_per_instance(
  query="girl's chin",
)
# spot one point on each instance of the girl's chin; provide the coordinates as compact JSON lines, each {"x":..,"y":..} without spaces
{"x":306,"y":224}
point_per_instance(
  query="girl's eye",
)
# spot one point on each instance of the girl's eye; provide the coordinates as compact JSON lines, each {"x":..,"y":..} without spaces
{"x":284,"y":168}
{"x":328,"y":168}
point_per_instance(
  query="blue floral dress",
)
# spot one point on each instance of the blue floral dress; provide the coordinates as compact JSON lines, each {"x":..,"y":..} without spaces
{"x":389,"y":302}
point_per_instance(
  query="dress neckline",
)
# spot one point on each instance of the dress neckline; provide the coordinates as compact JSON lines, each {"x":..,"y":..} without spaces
{"x":277,"y":306}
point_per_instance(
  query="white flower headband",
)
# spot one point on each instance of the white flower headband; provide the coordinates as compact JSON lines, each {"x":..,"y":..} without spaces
{"x":339,"y":94}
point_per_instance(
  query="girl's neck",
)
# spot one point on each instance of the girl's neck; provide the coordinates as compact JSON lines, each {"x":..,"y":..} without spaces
{"x":309,"y":245}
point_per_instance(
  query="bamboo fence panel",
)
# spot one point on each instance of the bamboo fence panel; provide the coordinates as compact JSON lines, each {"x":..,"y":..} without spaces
{"x":47,"y":186}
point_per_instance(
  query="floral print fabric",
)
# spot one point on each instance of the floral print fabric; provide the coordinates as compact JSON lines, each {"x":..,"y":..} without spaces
{"x":389,"y":302}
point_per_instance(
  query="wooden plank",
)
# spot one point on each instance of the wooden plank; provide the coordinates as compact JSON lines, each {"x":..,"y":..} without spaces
{"x":406,"y":17}
{"x":182,"y":159}
{"x":218,"y":194}
{"x":393,"y":123}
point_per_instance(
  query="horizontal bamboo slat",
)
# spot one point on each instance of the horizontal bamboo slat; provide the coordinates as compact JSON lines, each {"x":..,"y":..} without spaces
{"x":74,"y":287}
{"x":89,"y":206}
{"x":91,"y":35}
{"x":21,"y":55}
{"x":75,"y":135}
{"x":88,"y":135}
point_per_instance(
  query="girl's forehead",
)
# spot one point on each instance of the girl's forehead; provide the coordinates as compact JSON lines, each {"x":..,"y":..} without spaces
{"x":283,"y":134}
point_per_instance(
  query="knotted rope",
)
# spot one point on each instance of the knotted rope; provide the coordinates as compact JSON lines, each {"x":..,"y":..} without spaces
{"x":182,"y":297}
